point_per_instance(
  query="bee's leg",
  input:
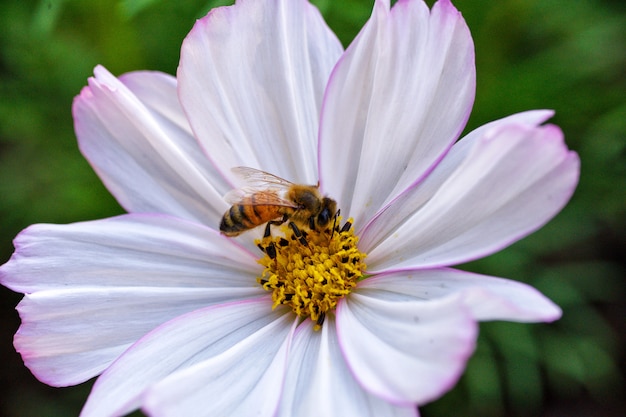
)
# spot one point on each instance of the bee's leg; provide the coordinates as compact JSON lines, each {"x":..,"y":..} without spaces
{"x":298,"y":234}
{"x":270,"y":249}
{"x":268,"y":231}
{"x":312,"y":223}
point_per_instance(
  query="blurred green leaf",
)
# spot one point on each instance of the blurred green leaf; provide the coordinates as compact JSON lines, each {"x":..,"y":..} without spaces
{"x":129,"y":8}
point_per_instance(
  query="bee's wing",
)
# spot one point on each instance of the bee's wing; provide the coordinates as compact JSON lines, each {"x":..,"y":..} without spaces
{"x":259,"y":187}
{"x":260,"y":180}
{"x":254,"y":197}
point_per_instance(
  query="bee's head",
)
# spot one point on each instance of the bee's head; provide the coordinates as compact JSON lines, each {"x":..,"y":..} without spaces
{"x":328,"y":211}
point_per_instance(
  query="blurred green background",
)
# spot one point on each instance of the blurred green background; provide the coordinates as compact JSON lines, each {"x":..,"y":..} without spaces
{"x":560,"y":54}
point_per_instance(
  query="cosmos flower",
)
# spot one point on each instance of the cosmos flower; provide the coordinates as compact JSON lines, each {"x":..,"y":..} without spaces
{"x":180,"y":320}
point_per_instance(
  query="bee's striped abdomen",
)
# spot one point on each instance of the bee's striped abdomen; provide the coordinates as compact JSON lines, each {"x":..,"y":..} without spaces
{"x":242,"y":217}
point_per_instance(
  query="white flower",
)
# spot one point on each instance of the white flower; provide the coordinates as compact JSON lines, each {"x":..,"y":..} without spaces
{"x":169,"y":311}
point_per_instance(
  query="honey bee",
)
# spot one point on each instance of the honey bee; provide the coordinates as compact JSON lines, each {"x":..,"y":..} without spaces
{"x":268,"y":199}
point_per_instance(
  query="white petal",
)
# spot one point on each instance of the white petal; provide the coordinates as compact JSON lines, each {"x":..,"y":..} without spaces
{"x":142,"y":148}
{"x":158,"y":93}
{"x":130,"y":250}
{"x":251,"y":80}
{"x":245,"y":380}
{"x":179,"y":344}
{"x":488,"y":298}
{"x":412,"y":199}
{"x":513,"y":180}
{"x":99,"y":286}
{"x":397,"y":100}
{"x":319,"y":383}
{"x":69,"y":336}
{"x":405,"y":351}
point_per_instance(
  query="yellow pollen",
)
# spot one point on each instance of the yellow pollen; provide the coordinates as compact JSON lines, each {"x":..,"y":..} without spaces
{"x":312,"y":272}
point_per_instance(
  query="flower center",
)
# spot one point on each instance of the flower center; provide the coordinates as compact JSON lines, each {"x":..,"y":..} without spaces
{"x":309,"y":270}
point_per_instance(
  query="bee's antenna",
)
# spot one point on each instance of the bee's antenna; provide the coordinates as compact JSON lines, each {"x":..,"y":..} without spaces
{"x":335,"y":224}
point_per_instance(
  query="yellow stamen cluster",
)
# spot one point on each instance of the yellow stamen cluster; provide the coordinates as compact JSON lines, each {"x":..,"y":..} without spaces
{"x":310,"y":273}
